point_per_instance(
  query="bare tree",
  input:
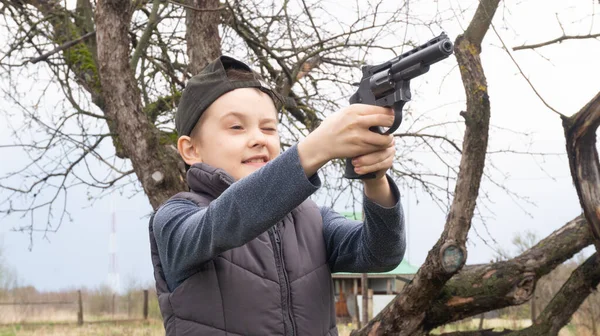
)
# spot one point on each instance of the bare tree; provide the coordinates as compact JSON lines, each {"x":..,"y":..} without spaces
{"x":121,"y":66}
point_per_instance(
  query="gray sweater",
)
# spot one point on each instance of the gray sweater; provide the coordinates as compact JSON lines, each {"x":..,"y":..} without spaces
{"x":187,"y":235}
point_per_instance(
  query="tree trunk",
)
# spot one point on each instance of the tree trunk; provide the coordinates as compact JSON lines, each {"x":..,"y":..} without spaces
{"x":580,"y":133}
{"x":154,"y":164}
{"x":202,"y":33}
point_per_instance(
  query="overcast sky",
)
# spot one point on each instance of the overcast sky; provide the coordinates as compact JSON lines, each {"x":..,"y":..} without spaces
{"x":564,"y":74}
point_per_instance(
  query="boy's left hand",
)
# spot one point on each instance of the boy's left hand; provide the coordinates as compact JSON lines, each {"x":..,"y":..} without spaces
{"x":378,"y":162}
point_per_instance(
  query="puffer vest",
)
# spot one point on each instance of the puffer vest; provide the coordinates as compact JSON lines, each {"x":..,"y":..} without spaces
{"x":277,"y":284}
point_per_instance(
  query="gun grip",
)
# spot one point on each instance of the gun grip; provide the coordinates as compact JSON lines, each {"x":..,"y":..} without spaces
{"x":352,"y":175}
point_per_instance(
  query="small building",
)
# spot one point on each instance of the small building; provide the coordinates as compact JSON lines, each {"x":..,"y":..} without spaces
{"x":391,"y":282}
{"x":382,"y":287}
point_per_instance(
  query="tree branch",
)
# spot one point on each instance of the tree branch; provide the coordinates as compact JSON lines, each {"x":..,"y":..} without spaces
{"x":580,"y":133}
{"x":556,"y":40}
{"x":143,"y":42}
{"x":582,"y":282}
{"x":202,"y":33}
{"x":421,"y":135}
{"x":481,"y":288}
{"x":161,"y":105}
{"x":485,"y":332}
{"x":60,"y":48}
{"x":525,"y":77}
{"x":196,"y":9}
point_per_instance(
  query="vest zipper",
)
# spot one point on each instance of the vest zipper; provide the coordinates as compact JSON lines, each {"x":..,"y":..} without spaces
{"x":286,"y":296}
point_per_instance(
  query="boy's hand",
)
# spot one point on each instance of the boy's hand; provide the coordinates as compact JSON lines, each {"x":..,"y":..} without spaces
{"x":378,"y":162}
{"x":377,"y":189}
{"x":346,"y":134}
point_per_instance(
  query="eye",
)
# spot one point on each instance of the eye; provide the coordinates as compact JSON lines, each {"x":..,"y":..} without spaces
{"x":270,"y":129}
{"x":237,"y":127}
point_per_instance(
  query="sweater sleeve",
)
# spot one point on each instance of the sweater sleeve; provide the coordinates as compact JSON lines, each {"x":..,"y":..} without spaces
{"x":376,"y":244}
{"x":188,"y":235}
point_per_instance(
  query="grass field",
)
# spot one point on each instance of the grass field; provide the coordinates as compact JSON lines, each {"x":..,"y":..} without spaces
{"x":122,"y":328}
{"x":155,"y":328}
{"x":133,"y":328}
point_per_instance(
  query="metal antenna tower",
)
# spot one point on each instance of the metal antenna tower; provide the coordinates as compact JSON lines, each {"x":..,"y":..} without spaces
{"x":114,"y":281}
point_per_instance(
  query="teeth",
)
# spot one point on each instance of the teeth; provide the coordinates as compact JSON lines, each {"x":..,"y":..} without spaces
{"x":256,"y":161}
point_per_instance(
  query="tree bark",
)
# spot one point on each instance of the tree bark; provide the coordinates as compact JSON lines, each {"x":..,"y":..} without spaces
{"x":481,"y":288}
{"x":580,"y":133}
{"x":486,"y":332}
{"x":406,"y":314}
{"x":81,"y":58}
{"x":565,"y":303}
{"x":154,"y":164}
{"x":202,"y":34}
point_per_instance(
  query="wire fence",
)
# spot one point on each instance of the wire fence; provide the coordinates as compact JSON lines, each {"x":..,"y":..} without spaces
{"x":78,"y":307}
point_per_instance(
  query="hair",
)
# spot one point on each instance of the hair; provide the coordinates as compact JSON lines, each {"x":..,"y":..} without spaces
{"x":241,"y":75}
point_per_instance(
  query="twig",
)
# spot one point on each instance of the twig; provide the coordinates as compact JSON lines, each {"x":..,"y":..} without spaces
{"x":143,"y":43}
{"x":60,"y":48}
{"x":523,"y":74}
{"x":196,"y":8}
{"x":557,"y":40}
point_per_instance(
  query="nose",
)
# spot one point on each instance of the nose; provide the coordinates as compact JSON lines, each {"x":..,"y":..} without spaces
{"x":257,"y":138}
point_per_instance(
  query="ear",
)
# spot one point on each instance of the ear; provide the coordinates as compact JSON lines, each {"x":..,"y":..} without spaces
{"x":188,"y":150}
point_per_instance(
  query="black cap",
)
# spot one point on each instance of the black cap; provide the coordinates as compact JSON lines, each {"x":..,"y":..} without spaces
{"x":211,"y":83}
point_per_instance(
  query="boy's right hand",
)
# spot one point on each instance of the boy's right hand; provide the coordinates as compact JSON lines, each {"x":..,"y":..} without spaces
{"x":345,"y":134}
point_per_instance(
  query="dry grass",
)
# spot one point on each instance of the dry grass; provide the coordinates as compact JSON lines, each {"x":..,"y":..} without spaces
{"x":470,"y":325}
{"x":46,"y":314}
{"x":154,"y":328}
{"x":129,"y":328}
{"x":23,"y":314}
{"x":499,"y":324}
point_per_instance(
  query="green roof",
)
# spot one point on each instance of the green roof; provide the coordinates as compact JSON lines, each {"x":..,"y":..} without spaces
{"x":352,"y":215}
{"x":403,"y":268}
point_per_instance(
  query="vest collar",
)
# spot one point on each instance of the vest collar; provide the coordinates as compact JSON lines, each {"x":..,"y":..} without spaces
{"x":205,"y":179}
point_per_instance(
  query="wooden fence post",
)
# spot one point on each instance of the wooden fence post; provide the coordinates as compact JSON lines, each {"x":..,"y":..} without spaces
{"x":80,"y":310}
{"x":113,"y":305}
{"x":356,"y":317}
{"x":145,"y":304}
{"x":370,"y":307}
{"x":365,"y":298}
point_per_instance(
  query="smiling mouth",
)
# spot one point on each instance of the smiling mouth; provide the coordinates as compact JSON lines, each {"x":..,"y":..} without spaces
{"x":255,"y":161}
{"x":260,"y":160}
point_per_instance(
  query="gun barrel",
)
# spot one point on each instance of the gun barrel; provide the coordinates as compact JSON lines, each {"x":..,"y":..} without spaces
{"x":383,"y":77}
{"x":425,"y":56}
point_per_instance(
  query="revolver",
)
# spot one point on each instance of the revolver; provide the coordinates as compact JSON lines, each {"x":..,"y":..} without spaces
{"x":388,"y":84}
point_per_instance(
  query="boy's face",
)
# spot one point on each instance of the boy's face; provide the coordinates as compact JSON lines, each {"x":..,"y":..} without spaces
{"x":237,"y":133}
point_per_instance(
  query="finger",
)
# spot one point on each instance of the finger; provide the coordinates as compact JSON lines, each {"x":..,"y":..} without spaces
{"x":372,"y":158}
{"x":367,"y":109}
{"x":384,"y":120}
{"x":376,"y":140}
{"x":375,"y":167}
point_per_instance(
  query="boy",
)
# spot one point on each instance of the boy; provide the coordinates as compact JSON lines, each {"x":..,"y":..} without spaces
{"x":245,"y":252}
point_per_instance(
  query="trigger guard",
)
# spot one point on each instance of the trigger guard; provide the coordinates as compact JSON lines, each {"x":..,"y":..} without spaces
{"x":398,"y":106}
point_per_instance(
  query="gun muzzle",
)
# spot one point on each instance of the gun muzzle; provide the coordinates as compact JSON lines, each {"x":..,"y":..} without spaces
{"x":418,"y":63}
